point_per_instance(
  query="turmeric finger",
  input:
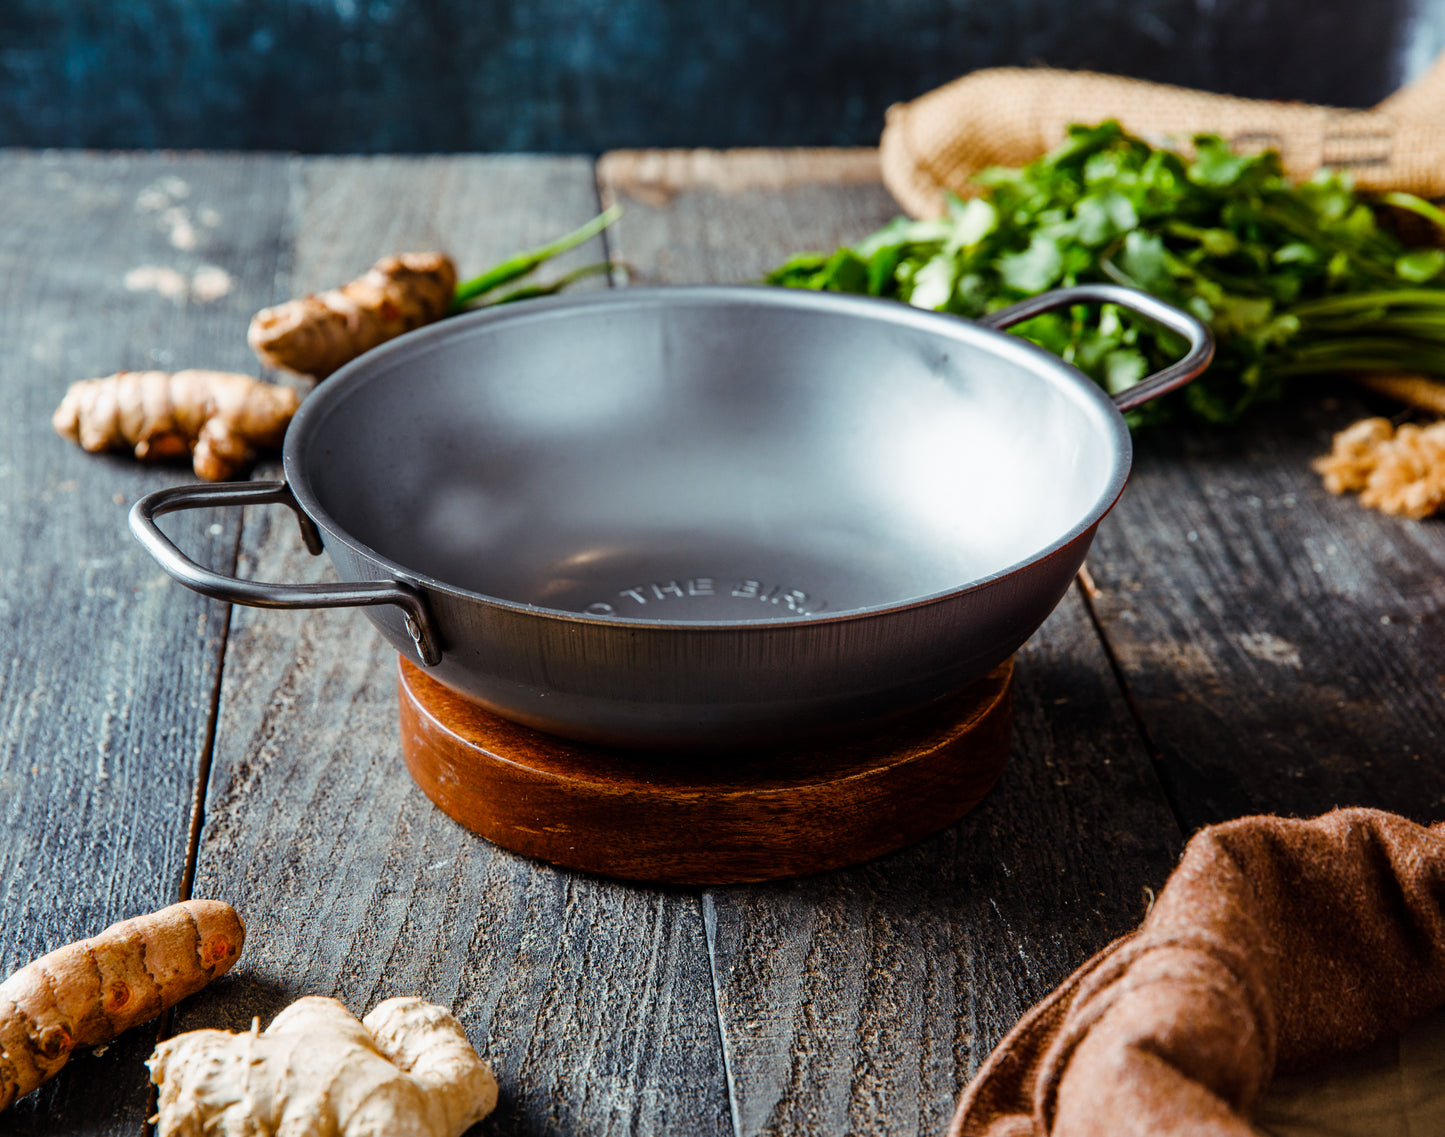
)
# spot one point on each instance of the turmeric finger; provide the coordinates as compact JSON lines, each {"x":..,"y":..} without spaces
{"x":221,"y":419}
{"x":1418,"y":391}
{"x":316,"y":334}
{"x":88,"y":992}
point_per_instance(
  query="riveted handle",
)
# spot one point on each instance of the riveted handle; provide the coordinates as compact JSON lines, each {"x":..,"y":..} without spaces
{"x":260,"y":594}
{"x":1201,"y":342}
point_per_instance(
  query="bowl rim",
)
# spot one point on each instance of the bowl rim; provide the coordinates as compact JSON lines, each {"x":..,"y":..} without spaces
{"x":352,"y":378}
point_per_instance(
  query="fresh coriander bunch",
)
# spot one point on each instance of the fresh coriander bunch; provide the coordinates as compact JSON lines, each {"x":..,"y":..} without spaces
{"x":1292,"y":279}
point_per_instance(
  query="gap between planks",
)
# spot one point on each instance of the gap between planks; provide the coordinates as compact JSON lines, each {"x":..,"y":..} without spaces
{"x":279,"y":284}
{"x":606,"y":170}
{"x":1087,"y":592}
{"x":213,"y":707}
{"x":656,"y":181}
{"x":649,"y":176}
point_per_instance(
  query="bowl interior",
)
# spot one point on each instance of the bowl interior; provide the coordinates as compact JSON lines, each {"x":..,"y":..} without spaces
{"x":707,"y":455}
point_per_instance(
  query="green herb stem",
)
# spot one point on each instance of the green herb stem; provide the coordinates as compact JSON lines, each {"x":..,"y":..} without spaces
{"x":1372,"y":300}
{"x":1430,"y":326}
{"x":1416,"y":205}
{"x":552,"y":287}
{"x":521,"y":264}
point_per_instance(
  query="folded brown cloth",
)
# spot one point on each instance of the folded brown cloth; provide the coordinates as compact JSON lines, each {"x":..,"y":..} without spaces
{"x":1276,"y":945}
{"x":1009,"y":116}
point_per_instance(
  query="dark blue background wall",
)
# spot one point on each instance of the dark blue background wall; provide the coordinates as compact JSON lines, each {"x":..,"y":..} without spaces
{"x":589,"y":75}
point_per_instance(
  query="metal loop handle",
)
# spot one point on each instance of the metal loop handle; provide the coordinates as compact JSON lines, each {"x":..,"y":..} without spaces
{"x":1201,"y":342}
{"x":259,"y":594}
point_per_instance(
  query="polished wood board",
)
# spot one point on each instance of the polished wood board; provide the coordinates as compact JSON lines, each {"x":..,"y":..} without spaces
{"x":688,"y":818}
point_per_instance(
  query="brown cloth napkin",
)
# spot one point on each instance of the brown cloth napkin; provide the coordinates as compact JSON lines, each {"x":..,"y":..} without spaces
{"x":1276,"y":945}
{"x":1009,"y":116}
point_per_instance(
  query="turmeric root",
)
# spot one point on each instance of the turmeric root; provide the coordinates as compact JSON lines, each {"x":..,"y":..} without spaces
{"x":220,"y":418}
{"x":1418,"y":391}
{"x":406,"y":1070}
{"x":86,"y":993}
{"x":1395,"y":471}
{"x":316,"y":334}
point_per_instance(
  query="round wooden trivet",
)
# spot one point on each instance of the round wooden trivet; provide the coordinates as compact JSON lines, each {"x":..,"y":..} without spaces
{"x":715,"y":819}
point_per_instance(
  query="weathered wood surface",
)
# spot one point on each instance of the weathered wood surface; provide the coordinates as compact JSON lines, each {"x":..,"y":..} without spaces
{"x":592,"y":1000}
{"x":108,"y":672}
{"x":1285,"y":648}
{"x":861,"y":1001}
{"x":703,"y":217}
{"x":1279,"y":649}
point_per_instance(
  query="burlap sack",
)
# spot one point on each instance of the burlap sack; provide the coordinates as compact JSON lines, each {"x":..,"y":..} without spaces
{"x":1276,"y":945}
{"x":1009,"y":116}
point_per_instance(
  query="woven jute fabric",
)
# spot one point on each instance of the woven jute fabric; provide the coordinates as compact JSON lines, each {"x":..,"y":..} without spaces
{"x":1009,"y":116}
{"x":1276,"y":945}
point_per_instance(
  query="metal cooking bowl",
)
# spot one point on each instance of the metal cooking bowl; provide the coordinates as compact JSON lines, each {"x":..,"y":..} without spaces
{"x":659,"y":517}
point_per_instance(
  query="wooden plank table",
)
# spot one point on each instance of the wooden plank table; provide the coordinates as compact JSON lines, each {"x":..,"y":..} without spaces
{"x":1253,"y":644}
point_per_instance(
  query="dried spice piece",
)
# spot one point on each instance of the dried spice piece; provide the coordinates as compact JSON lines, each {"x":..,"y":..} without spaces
{"x":407,"y":1070}
{"x":86,"y":993}
{"x":221,"y":419}
{"x":1398,"y":471}
{"x":1354,"y":455}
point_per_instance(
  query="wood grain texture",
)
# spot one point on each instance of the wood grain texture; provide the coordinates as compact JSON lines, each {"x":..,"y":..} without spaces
{"x":655,"y":177}
{"x":107,"y":670}
{"x":727,"y":217}
{"x":1280,"y":647}
{"x":350,"y":212}
{"x":860,"y":1001}
{"x":591,"y":999}
{"x":1283,"y":646}
{"x":690,"y":818}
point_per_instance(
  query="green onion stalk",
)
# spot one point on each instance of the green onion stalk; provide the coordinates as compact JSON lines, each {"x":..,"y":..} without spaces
{"x":477,"y":290}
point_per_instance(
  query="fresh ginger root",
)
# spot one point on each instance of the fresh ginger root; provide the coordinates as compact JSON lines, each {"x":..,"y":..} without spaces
{"x":219,"y":418}
{"x":406,"y":1070}
{"x":1395,"y":471}
{"x":316,"y":334}
{"x":86,"y":993}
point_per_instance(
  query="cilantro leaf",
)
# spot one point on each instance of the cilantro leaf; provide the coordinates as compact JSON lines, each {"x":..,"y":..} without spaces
{"x":1293,"y":279}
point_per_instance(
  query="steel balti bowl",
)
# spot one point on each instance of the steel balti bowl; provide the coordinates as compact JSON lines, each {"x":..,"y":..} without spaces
{"x":700,"y":516}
